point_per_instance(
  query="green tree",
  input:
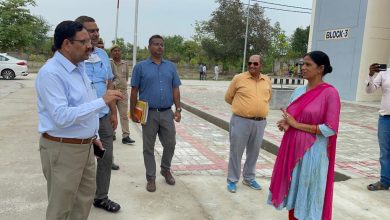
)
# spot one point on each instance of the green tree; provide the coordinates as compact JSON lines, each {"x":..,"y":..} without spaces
{"x":260,"y":31}
{"x":299,"y":40}
{"x":278,"y":48}
{"x":223,"y":36}
{"x":191,"y":50}
{"x":173,"y":47}
{"x":18,"y":28}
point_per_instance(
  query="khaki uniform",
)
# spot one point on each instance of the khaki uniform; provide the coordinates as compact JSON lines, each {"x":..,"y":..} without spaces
{"x":121,"y":76}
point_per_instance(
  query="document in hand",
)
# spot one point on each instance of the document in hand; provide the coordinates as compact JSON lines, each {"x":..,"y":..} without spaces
{"x":141,"y":111}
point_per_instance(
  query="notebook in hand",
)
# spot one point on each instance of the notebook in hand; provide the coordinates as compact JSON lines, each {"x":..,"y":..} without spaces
{"x":141,"y":111}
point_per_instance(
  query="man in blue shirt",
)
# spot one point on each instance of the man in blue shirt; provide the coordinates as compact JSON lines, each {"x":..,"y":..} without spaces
{"x":68,"y":121}
{"x":157,"y":83}
{"x":99,"y":71}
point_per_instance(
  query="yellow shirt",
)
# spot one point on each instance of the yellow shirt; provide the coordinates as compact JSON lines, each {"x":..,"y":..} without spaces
{"x":248,"y":96}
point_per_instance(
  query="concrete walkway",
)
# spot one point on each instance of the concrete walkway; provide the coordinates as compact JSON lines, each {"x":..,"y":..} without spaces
{"x":199,"y":165}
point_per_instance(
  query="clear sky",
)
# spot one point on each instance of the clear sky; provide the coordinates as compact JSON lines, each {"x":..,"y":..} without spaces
{"x":164,"y":17}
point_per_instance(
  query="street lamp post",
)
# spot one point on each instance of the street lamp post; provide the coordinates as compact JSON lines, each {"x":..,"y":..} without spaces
{"x":116,"y":23}
{"x":246,"y":36}
{"x":135,"y":33}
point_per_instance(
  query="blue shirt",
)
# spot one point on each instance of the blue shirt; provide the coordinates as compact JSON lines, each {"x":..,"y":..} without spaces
{"x":67,"y":103}
{"x":99,"y":72}
{"x":155,"y":82}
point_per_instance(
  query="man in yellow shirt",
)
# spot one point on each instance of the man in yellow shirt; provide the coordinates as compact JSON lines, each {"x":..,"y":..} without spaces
{"x":249,"y":94}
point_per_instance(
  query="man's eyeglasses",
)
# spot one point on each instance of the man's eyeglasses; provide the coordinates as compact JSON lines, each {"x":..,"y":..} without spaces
{"x":83,"y":42}
{"x":93,"y":30}
{"x":254,"y":63}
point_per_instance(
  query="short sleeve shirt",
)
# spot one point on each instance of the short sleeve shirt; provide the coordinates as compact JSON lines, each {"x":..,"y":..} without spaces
{"x":155,"y":82}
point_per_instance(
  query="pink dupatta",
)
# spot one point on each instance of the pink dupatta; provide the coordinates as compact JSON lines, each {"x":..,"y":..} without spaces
{"x":321,"y":105}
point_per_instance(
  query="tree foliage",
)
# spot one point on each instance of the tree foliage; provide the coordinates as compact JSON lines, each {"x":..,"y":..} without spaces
{"x":191,"y":50}
{"x":223,"y":36}
{"x":299,"y":40}
{"x":18,"y":28}
{"x":173,"y":47}
{"x":278,"y":50}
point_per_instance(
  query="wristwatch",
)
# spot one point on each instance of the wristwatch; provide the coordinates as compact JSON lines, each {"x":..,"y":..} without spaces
{"x":179,"y":109}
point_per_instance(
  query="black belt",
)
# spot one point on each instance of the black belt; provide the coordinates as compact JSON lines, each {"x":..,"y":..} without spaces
{"x":253,"y":118}
{"x":159,"y":109}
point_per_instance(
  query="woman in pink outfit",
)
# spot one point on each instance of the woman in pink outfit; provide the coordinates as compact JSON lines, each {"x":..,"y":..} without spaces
{"x":302,"y":179}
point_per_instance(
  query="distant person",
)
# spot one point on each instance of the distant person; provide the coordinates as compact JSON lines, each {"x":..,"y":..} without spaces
{"x":249,"y":94}
{"x":121,"y":77}
{"x":296,"y":70}
{"x":303,"y":175}
{"x":98,"y":69}
{"x":100,"y":43}
{"x":68,"y":111}
{"x":200,"y":71}
{"x":204,"y":74}
{"x":380,"y":78}
{"x":157,"y":82}
{"x":216,"y":72}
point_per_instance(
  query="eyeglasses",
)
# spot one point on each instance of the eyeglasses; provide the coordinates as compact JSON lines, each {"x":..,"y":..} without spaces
{"x":254,"y":63}
{"x":93,"y":30}
{"x":83,"y":42}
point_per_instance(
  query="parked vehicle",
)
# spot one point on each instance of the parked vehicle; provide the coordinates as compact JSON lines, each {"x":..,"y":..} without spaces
{"x":10,"y":67}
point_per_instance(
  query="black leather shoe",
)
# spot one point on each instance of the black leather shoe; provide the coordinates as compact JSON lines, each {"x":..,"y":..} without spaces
{"x":114,"y":137}
{"x":107,"y":205}
{"x":114,"y":167}
{"x":127,"y":140}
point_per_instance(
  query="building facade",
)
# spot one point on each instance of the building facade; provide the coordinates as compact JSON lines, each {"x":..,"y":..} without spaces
{"x":355,"y":34}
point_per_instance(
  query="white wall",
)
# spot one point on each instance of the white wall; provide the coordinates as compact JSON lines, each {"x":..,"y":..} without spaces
{"x":376,"y":44}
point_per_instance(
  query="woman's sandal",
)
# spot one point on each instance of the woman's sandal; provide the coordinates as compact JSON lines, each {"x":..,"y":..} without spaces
{"x":377,"y":186}
{"x":107,"y":204}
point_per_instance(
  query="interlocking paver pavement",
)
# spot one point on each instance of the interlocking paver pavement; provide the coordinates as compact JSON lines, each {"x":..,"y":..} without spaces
{"x":357,"y":148}
{"x":203,"y":148}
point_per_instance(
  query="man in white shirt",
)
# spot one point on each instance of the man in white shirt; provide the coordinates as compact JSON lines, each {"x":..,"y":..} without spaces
{"x":204,"y":71}
{"x":216,"y":72}
{"x":380,"y":78}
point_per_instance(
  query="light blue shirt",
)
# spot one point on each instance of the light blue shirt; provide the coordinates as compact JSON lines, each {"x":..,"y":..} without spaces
{"x":99,"y":71}
{"x":67,"y":102}
{"x":155,"y":82}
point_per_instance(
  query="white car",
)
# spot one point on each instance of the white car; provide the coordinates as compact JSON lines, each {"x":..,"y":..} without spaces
{"x":10,"y":67}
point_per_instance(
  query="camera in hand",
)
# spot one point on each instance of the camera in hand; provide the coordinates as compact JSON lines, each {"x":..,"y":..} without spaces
{"x":97,"y":151}
{"x":382,"y":67}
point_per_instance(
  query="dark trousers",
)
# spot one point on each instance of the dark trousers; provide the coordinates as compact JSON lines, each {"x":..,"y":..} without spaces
{"x":103,"y":171}
{"x":161,"y":124}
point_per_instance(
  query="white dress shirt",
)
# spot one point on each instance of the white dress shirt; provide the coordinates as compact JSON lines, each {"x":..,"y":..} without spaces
{"x":381,"y":80}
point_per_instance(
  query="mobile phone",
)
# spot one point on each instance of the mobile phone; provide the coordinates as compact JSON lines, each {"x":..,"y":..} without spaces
{"x":382,"y":67}
{"x":97,"y":151}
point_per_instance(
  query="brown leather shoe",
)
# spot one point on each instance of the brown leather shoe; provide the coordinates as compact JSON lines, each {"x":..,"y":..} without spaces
{"x":168,"y":177}
{"x":151,"y":185}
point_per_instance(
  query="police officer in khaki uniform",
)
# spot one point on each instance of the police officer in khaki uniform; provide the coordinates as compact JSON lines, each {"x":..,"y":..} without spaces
{"x":120,"y":70}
